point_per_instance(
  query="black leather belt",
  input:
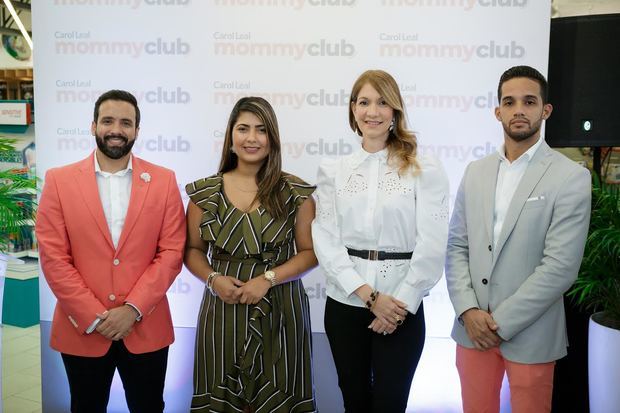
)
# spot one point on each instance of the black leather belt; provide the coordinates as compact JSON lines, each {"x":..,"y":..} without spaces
{"x":379,"y":255}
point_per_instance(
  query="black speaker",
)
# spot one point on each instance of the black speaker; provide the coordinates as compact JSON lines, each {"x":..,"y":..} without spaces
{"x":584,"y":81}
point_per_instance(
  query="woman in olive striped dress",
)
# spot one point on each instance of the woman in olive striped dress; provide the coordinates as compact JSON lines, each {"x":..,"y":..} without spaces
{"x":249,"y":240}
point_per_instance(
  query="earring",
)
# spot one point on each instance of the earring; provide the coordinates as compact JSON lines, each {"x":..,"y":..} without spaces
{"x":391,"y":128}
{"x":232,"y":150}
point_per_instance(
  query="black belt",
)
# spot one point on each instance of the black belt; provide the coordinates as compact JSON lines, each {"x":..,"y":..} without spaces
{"x":379,"y":255}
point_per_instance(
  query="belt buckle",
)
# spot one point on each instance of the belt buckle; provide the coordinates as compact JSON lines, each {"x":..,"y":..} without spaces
{"x":373,"y":255}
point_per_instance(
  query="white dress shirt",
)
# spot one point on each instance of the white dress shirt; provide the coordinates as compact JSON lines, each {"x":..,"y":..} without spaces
{"x":363,"y":203}
{"x":508,"y":178}
{"x":114,"y":191}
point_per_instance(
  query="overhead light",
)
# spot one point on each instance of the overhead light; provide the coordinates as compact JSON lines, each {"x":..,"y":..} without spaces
{"x":9,"y":6}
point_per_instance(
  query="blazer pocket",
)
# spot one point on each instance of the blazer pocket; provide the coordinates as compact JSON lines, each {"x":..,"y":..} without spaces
{"x":535,"y":202}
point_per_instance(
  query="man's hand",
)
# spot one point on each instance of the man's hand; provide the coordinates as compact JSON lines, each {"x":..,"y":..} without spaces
{"x":481,"y":329}
{"x":226,"y":288}
{"x":253,"y":290}
{"x":117,"y":323}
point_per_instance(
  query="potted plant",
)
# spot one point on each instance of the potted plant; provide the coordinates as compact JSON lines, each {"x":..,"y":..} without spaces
{"x":598,"y":289}
{"x":17,"y":203}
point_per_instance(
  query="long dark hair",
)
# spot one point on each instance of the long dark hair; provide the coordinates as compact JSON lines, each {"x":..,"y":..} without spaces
{"x":269,"y":176}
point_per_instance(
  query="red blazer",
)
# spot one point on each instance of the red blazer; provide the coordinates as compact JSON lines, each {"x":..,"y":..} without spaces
{"x":88,"y":275}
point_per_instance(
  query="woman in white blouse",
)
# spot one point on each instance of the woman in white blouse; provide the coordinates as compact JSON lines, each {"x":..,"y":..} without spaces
{"x":380,"y":237}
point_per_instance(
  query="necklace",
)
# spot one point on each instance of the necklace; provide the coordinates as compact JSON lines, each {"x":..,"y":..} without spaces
{"x":246,"y":190}
{"x":242,"y":189}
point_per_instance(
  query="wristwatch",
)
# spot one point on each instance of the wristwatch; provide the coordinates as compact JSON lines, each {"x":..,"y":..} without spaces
{"x":271,"y":277}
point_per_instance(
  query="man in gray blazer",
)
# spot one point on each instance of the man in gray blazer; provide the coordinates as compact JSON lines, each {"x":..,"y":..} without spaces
{"x":516,"y":241}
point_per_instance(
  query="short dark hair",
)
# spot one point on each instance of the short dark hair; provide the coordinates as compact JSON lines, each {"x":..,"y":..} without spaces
{"x":527,"y":72}
{"x":121,"y":95}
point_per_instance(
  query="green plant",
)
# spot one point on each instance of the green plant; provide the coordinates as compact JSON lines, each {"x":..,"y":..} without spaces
{"x":17,"y":205}
{"x":598,"y":286}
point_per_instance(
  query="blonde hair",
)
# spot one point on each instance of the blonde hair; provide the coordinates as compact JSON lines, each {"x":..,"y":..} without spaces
{"x":401,"y":143}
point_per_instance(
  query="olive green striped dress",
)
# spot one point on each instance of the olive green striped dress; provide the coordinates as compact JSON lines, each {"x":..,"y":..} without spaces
{"x":258,"y":355}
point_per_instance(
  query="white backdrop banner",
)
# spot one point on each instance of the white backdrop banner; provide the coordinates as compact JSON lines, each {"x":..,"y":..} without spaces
{"x":188,"y":62}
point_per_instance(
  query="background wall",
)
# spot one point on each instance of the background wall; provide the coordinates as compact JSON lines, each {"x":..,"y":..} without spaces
{"x":189,"y":61}
{"x":6,"y":60}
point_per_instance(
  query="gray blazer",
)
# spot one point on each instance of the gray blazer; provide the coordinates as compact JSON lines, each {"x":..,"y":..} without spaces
{"x":536,"y":259}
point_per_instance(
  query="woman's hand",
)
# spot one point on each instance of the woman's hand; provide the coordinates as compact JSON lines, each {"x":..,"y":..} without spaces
{"x":253,"y":290}
{"x":389,"y":310}
{"x":227,"y":288}
{"x":380,"y":327}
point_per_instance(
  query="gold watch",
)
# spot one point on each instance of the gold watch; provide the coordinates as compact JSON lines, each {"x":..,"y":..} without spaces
{"x":271,"y":277}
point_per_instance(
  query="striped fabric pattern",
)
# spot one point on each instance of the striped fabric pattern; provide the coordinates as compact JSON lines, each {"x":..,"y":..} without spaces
{"x":258,"y":355}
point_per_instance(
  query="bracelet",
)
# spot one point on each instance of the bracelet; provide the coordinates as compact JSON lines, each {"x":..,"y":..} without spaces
{"x":373,"y":298}
{"x":210,"y":280}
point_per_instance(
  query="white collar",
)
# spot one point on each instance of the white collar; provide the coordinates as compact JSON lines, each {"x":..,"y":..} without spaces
{"x":527,"y":155}
{"x":358,"y":157}
{"x":119,"y":173}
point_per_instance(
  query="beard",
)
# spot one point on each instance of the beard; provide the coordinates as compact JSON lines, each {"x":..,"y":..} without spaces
{"x":523,"y":134}
{"x":115,"y":151}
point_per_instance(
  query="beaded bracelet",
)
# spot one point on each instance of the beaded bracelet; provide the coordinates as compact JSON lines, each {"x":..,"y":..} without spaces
{"x":373,"y":298}
{"x":210,"y":280}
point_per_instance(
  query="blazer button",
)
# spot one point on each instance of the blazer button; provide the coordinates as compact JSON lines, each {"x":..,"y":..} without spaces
{"x":116,"y":261}
{"x":490,"y":249}
{"x":485,"y":281}
{"x":111,"y":297}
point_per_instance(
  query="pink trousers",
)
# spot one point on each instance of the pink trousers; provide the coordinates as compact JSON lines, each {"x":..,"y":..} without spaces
{"x":482,"y":372}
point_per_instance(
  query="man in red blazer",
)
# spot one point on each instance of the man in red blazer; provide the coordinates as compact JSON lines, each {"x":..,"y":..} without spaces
{"x":111,"y":232}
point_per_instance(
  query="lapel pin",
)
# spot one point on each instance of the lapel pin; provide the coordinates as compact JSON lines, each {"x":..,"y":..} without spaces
{"x":146,"y":177}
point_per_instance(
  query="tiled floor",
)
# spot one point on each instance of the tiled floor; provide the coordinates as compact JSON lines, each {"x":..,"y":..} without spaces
{"x":21,"y":369}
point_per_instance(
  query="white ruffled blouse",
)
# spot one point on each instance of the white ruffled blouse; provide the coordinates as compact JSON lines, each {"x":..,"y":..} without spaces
{"x":363,"y":203}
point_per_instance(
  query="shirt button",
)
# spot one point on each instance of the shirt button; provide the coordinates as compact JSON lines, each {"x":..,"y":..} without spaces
{"x":490,"y":249}
{"x":116,"y":261}
{"x":485,"y":281}
{"x":111,"y":297}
